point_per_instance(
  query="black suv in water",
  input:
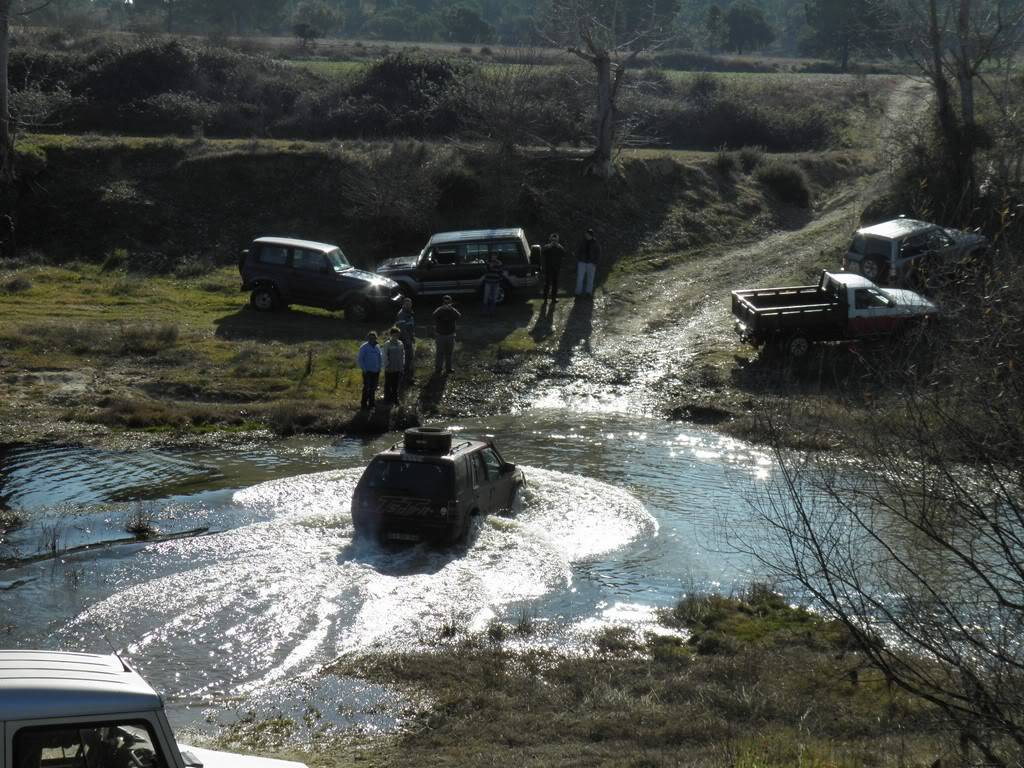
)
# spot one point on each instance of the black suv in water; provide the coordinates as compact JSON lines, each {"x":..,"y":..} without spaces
{"x":281,"y":271}
{"x":433,"y":487}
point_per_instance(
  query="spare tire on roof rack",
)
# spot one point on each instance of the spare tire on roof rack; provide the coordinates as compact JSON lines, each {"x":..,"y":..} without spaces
{"x":428,"y":440}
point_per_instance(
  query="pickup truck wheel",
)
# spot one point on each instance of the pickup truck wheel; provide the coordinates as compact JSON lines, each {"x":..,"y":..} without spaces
{"x":798,"y":347}
{"x":872,"y":269}
{"x":358,"y":310}
{"x":265,"y":299}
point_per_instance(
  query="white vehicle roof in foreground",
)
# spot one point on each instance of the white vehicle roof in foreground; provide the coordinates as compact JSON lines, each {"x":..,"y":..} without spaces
{"x":291,"y":242}
{"x":474,"y":234}
{"x":895,"y":228}
{"x":42,"y":684}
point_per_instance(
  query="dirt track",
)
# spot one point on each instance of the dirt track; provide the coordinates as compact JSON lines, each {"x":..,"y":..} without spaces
{"x":650,"y":344}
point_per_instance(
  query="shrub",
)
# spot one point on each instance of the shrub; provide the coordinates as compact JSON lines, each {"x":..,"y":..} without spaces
{"x":786,"y":181}
{"x":750,"y":158}
{"x":17,"y":284}
{"x":704,"y":89}
{"x":725,"y":161}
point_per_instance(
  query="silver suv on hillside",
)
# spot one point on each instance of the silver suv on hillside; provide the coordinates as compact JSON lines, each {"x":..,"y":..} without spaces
{"x":910,"y":252}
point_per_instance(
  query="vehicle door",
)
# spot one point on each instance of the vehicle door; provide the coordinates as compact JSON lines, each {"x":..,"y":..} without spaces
{"x":498,"y":489}
{"x":474,"y":264}
{"x":941,"y":260}
{"x":517,"y":263}
{"x":913,"y":250}
{"x":871,"y":313}
{"x":439,"y":268}
{"x":112,"y":741}
{"x":270,"y":262}
{"x":313,"y":279}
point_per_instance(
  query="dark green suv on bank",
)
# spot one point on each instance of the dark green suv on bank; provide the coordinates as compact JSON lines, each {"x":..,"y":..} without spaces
{"x":433,"y":487}
{"x":282,"y":270}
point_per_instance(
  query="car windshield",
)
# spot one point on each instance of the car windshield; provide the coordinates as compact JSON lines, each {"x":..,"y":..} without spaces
{"x":409,"y":478}
{"x":337,"y":259}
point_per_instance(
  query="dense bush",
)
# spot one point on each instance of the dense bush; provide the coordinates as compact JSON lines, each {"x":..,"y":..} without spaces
{"x":786,"y":181}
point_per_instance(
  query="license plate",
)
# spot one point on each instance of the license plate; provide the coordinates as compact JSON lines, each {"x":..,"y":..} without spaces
{"x":404,"y":536}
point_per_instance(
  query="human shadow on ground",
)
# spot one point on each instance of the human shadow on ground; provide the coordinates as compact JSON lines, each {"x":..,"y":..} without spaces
{"x":543,"y":326}
{"x":579,"y":325}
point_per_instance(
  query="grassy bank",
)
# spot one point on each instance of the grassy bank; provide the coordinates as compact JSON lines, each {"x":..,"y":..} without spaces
{"x":743,"y":681}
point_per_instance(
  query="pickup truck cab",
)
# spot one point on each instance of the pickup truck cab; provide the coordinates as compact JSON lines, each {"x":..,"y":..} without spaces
{"x":841,"y":307}
{"x":81,"y":710}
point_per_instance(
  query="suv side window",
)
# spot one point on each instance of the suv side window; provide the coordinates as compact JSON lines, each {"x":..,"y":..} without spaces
{"x":476,"y":468}
{"x":937,"y":240}
{"x":914,"y":246}
{"x":477,"y":252}
{"x":508,"y":251}
{"x":308,"y":261}
{"x":123,"y":744}
{"x":446,"y":255}
{"x":272,"y":254}
{"x":492,"y":464}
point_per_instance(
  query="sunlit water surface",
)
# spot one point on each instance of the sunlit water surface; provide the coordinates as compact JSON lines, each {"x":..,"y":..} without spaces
{"x":623,"y":515}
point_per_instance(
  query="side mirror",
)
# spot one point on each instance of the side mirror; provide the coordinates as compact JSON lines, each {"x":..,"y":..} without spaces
{"x":428,"y":262}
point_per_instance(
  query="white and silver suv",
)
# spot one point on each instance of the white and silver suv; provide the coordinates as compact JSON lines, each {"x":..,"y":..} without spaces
{"x":81,"y":710}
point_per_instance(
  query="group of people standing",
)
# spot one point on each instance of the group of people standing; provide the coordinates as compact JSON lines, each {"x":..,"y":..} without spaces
{"x":588,"y":254}
{"x":396,"y":356}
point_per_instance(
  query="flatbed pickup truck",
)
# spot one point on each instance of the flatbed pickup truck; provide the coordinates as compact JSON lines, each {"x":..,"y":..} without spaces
{"x":81,"y":710}
{"x":841,"y":307}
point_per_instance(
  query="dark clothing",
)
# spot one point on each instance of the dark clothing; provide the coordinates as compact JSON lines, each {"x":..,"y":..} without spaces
{"x":392,"y":380}
{"x":589,"y":251}
{"x":551,"y":256}
{"x":370,"y":379}
{"x":444,"y":353}
{"x":550,"y":283}
{"x":494,"y":272}
{"x":445,"y":319}
{"x":406,"y":323}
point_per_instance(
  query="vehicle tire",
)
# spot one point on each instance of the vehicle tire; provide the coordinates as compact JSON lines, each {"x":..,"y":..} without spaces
{"x":470,"y":530}
{"x":429,"y":440}
{"x":358,"y":311}
{"x":873,"y":269}
{"x":515,"y":504}
{"x":798,"y":346}
{"x":265,"y":299}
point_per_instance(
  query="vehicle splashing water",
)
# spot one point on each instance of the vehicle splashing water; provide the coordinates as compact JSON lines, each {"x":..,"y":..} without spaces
{"x":618,"y":520}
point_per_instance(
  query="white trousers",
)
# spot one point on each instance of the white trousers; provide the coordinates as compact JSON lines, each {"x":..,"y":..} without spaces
{"x":585,"y":273}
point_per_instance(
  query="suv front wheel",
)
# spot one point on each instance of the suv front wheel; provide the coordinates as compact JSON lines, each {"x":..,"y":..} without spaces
{"x":358,"y":310}
{"x":265,"y":299}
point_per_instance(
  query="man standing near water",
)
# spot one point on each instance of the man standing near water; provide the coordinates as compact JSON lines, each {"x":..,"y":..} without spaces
{"x":406,"y":323}
{"x":445,"y":319}
{"x":369,"y":362}
{"x":551,"y":258}
{"x":587,"y":256}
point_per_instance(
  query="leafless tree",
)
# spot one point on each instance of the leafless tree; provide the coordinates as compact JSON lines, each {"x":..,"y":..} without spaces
{"x":918,"y":546}
{"x":610,"y":38}
{"x":955,"y":43}
{"x":7,"y":10}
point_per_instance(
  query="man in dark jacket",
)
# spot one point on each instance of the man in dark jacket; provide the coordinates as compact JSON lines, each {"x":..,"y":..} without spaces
{"x":587,"y":256}
{"x":445,"y":319}
{"x":551,"y":258}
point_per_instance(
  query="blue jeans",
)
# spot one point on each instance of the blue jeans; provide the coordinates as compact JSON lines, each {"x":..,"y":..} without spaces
{"x":491,"y":295}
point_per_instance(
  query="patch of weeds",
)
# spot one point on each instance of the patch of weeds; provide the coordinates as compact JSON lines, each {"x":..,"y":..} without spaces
{"x":750,"y":158}
{"x":116,"y":259}
{"x":100,"y":338}
{"x":127,"y":285}
{"x":17,"y":284}
{"x":786,"y":181}
{"x":616,"y":641}
{"x":497,"y":632}
{"x":518,"y":342}
{"x":450,"y":627}
{"x":140,"y":523}
{"x":725,"y":161}
{"x":526,"y":624}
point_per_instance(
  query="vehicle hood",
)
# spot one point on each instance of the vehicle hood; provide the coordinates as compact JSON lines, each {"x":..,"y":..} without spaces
{"x":212,"y":759}
{"x":370,"y":277}
{"x":966,"y":238}
{"x":909,"y":300}
{"x":402,"y":262}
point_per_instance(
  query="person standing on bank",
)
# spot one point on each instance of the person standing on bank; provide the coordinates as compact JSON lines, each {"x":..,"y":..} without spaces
{"x":587,"y":256}
{"x":492,"y":283}
{"x":394,"y":365}
{"x":369,"y":361}
{"x":551,"y":260}
{"x":406,"y":322}
{"x":445,"y":319}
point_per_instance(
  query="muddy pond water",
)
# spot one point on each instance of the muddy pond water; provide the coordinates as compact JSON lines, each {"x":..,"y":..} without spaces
{"x":623,"y":515}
